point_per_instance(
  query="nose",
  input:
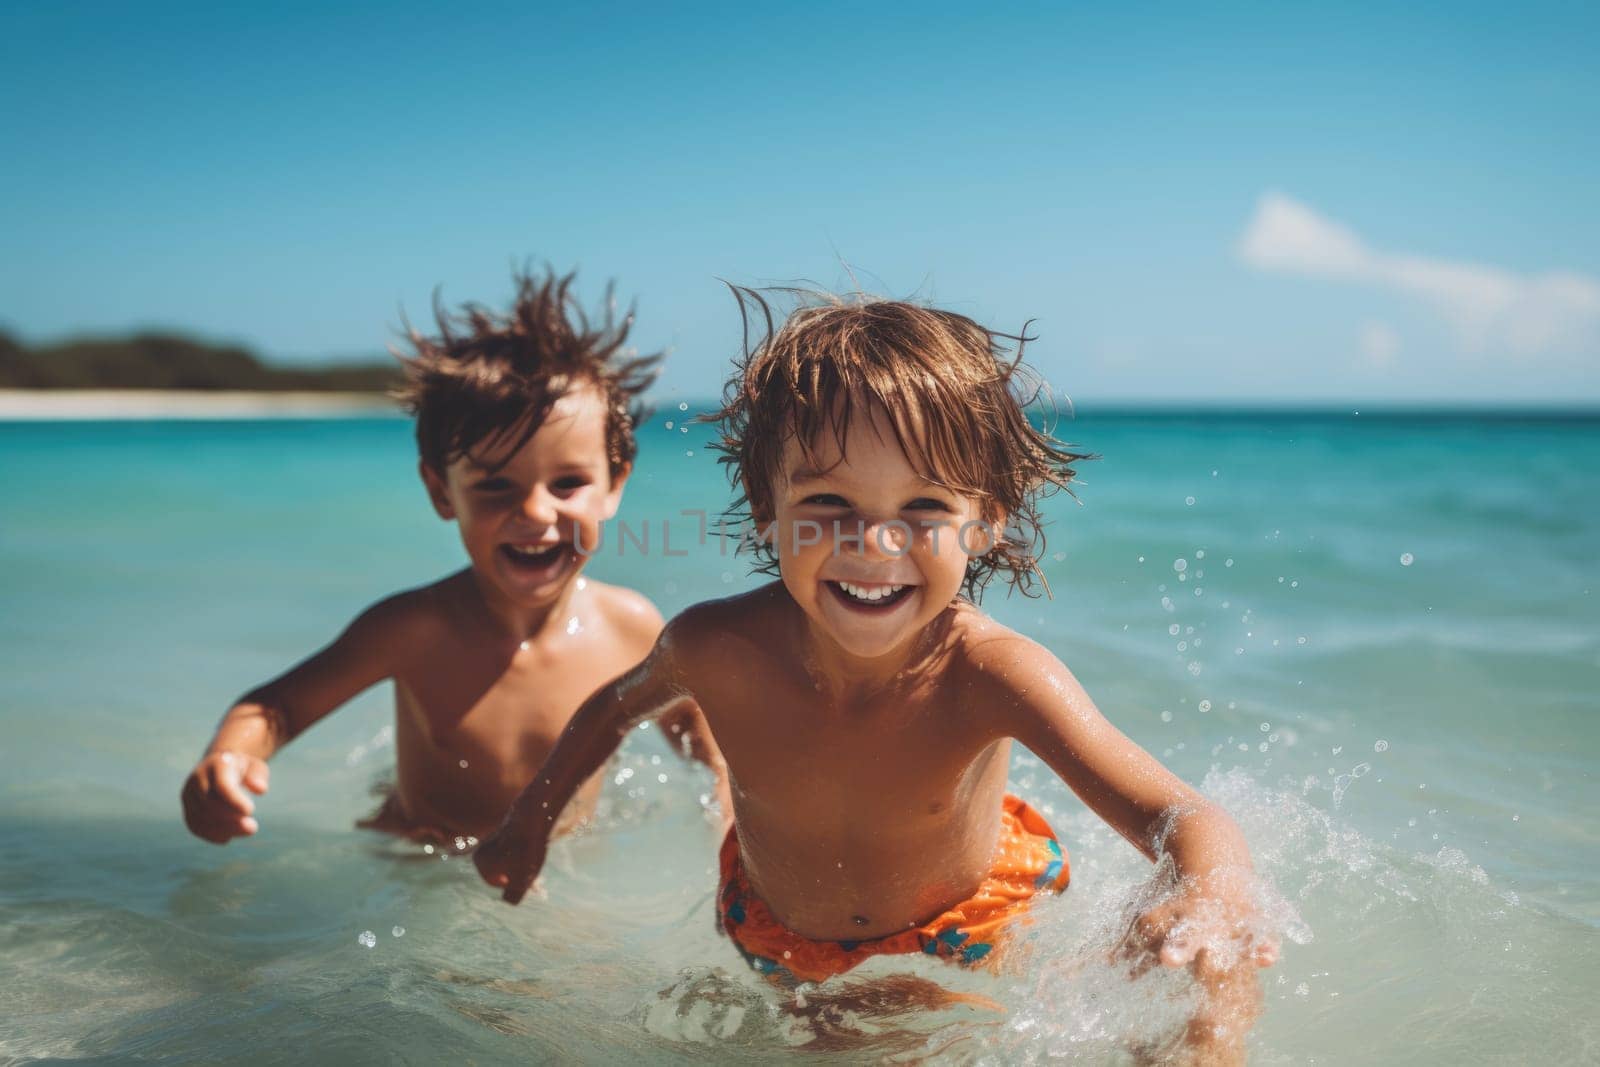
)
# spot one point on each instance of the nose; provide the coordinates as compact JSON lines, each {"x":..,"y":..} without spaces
{"x":884,"y":538}
{"x":539,"y":507}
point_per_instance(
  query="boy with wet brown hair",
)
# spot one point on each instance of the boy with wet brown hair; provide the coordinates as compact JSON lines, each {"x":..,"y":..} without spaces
{"x":525,"y":429}
{"x":865,"y":706}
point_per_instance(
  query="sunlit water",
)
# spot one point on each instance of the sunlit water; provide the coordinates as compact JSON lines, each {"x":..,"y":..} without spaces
{"x":1374,"y":641}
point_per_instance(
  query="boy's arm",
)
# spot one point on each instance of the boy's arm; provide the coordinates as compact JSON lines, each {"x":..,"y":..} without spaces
{"x":216,"y":796}
{"x":512,"y":856}
{"x":687,"y":732}
{"x":1043,"y":706}
{"x":1207,"y":924}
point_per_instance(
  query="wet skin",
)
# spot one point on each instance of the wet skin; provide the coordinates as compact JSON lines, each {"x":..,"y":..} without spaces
{"x":489,"y":664}
{"x":867,"y":733}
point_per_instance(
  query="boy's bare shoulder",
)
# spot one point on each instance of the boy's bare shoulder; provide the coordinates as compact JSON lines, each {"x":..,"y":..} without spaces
{"x":738,"y":625}
{"x":628,"y":611}
{"x":996,"y":660}
{"x":412,"y":615}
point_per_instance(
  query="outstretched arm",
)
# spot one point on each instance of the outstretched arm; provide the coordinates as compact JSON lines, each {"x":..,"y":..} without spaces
{"x":1207,"y":924}
{"x":513,"y":855}
{"x":216,"y":796}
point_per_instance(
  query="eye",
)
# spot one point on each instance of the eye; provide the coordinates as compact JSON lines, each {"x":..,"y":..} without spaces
{"x":927,"y":503}
{"x":827,"y":500}
{"x":569,"y":484}
{"x":494,"y":485}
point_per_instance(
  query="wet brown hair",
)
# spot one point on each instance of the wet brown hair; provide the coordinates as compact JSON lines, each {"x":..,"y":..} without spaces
{"x":490,"y":380}
{"x":957,"y":404}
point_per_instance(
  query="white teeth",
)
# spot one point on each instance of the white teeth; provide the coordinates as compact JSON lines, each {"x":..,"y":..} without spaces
{"x":530,"y":550}
{"x":870,"y":595}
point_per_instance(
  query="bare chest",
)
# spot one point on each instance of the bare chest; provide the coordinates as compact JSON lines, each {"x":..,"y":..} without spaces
{"x":503,"y":711}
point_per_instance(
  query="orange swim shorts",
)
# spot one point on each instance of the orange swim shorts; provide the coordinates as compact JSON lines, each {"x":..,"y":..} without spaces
{"x":1028,"y":859}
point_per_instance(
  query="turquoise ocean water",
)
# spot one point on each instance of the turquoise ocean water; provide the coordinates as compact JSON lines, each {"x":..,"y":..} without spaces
{"x":1375,"y":639}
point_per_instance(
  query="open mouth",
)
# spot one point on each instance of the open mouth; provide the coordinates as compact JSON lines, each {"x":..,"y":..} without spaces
{"x":536,"y":561}
{"x":869,"y":596}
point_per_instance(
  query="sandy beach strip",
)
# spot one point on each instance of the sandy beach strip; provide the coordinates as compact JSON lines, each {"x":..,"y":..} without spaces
{"x":107,"y":404}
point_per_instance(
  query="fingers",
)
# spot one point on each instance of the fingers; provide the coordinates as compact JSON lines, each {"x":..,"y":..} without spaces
{"x":1180,"y":947}
{"x":227,"y":783}
{"x":216,"y":806}
{"x":255,"y":775}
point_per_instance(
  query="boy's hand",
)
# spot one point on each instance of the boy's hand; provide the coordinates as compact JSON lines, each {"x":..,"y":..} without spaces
{"x":1209,"y":924}
{"x":511,"y":858}
{"x":216,"y":797}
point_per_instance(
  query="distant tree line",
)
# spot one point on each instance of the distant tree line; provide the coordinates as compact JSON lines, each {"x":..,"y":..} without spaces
{"x":170,"y":361}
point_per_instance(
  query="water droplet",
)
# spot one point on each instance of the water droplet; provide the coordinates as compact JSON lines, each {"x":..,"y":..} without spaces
{"x":1228,"y":562}
{"x":1407,"y":559}
{"x":1337,"y":749}
{"x":1199,"y":553}
{"x":1180,"y":565}
{"x":1172,"y":630}
{"x":427,"y":850}
{"x":727,"y":576}
{"x":462,"y":764}
{"x":398,"y":931}
{"x":1360,"y":769}
{"x":1380,"y":746}
{"x":367,"y":939}
{"x":683,"y":406}
{"x":1300,"y":640}
{"x":1166,"y":716}
{"x":1141,"y":559}
{"x":669,"y":424}
{"x":1189,"y":500}
{"x":683,"y":429}
{"x":1265,"y":727}
{"x":524,"y":646}
{"x":1205,"y":705}
{"x":573,"y":625}
{"x":690,"y":453}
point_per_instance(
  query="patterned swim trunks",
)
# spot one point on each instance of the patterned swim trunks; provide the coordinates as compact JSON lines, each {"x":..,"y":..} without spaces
{"x":1028,"y":860}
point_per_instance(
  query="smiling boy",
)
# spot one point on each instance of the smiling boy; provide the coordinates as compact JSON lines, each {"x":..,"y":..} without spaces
{"x":864,"y":705}
{"x":525,"y":428}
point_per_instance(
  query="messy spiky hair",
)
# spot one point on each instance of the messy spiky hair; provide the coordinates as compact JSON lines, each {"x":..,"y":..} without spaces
{"x":490,"y":380}
{"x":958,"y":407}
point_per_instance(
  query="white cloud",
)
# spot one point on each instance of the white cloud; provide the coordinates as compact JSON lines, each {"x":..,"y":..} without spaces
{"x":1489,"y":308}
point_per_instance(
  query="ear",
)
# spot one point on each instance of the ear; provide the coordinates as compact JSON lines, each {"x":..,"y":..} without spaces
{"x":438,"y":493}
{"x":614,"y":494}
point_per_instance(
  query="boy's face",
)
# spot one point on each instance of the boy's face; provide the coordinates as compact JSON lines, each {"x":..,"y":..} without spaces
{"x":901,"y":552}
{"x":520,"y":521}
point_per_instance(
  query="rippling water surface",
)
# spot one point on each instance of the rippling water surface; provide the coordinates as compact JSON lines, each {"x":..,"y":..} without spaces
{"x":1375,"y":640}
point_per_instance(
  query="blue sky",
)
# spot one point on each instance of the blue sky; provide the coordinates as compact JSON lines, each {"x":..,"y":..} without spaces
{"x":1354,"y":204}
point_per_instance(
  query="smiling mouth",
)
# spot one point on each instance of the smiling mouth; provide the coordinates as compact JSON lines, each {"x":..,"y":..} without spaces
{"x":869,"y":597}
{"x":536,"y":560}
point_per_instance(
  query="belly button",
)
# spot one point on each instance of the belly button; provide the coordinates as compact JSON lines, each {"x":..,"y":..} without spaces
{"x":859,"y":920}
